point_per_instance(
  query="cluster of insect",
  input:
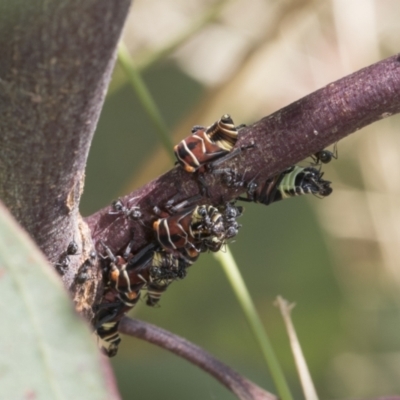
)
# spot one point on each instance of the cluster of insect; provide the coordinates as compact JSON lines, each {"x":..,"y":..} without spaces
{"x":185,"y":230}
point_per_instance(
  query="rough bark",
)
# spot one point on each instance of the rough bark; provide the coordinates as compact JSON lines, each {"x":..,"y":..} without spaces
{"x":56,"y":61}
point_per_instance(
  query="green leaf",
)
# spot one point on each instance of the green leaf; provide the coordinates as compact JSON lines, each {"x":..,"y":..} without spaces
{"x":46,"y":350}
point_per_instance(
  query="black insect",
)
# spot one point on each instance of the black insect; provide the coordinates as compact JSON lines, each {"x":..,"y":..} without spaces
{"x":118,"y":207}
{"x":64,"y":260}
{"x":325,"y":156}
{"x":164,"y":269}
{"x":72,"y":248}
{"x":83,"y":272}
{"x":231,"y":213}
{"x":63,"y":264}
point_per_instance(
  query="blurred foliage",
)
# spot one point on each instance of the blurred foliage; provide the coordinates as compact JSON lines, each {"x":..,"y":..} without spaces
{"x":337,"y":259}
{"x":44,"y":344}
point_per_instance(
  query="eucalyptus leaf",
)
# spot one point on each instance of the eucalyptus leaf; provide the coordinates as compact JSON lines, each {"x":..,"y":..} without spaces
{"x":46,"y":349}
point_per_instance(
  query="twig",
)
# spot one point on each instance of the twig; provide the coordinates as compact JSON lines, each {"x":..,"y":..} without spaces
{"x":240,"y":386}
{"x":282,"y":139}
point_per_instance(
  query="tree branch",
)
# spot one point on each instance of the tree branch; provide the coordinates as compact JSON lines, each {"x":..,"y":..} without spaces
{"x":282,"y":139}
{"x":56,"y":61}
{"x":237,"y":384}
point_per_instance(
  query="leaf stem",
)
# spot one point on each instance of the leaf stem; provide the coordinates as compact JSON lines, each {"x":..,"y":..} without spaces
{"x":145,"y":98}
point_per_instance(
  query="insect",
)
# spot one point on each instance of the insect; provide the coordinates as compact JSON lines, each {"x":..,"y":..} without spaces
{"x":64,"y":259}
{"x":325,"y":156}
{"x":206,"y":145}
{"x":118,"y":207}
{"x":165,"y":269}
{"x":162,"y":269}
{"x":180,"y":239}
{"x":231,"y":213}
{"x":157,"y":269}
{"x":109,"y":337}
{"x":83,"y":274}
{"x":121,"y":294}
{"x":125,"y":277}
{"x":293,"y":181}
{"x":122,"y":276}
{"x":182,"y":234}
{"x":299,"y":181}
{"x":108,"y":315}
{"x":72,"y":247}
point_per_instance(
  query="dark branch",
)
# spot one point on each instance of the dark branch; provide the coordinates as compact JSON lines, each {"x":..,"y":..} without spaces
{"x":240,"y":386}
{"x":282,"y":139}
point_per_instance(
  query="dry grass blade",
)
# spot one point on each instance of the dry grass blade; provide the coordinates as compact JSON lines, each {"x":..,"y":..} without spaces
{"x":305,"y":378}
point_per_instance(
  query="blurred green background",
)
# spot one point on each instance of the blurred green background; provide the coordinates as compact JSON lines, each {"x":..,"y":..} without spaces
{"x":336,"y":258}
